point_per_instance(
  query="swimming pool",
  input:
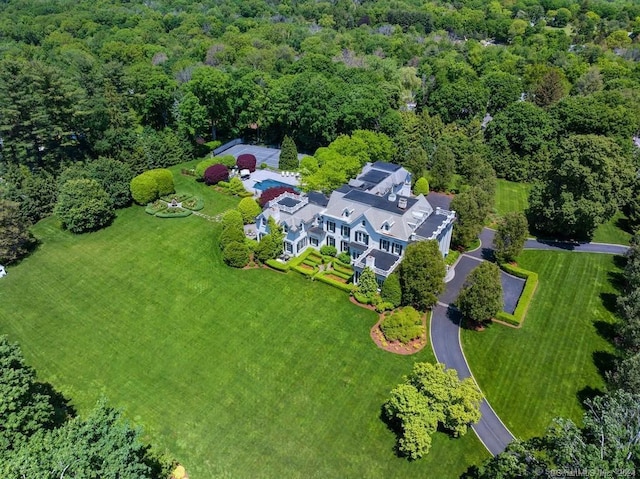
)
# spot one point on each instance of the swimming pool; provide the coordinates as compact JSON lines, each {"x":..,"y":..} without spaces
{"x":269,"y":183}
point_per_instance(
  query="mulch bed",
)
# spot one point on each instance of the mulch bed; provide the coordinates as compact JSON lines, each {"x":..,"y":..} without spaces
{"x":395,"y":347}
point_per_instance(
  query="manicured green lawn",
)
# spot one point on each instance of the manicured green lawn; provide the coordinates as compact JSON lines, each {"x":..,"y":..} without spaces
{"x":612,"y":232}
{"x":511,"y":196}
{"x":238,"y":373}
{"x":536,"y":373}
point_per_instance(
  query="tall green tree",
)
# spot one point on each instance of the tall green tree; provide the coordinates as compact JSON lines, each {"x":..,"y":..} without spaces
{"x":15,"y":237}
{"x":589,"y":180}
{"x":431,"y":395}
{"x":83,"y":205}
{"x":472,"y":208}
{"x":24,"y":409}
{"x":367,"y":285}
{"x":288,"y":155}
{"x":511,"y":234}
{"x":443,"y":168}
{"x":422,"y":272}
{"x":481,"y":296}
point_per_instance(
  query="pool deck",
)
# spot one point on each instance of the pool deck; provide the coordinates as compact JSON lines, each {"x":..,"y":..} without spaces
{"x":261,"y":175}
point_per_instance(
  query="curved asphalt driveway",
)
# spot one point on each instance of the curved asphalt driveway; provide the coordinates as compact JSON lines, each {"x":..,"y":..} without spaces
{"x":445,"y":326}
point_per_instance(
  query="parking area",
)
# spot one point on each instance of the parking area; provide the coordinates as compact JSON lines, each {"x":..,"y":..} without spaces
{"x":270,"y":156}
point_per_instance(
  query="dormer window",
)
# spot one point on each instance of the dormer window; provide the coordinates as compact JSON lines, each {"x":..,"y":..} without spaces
{"x":347,"y":212}
{"x":385,"y":226}
{"x":284,"y":228}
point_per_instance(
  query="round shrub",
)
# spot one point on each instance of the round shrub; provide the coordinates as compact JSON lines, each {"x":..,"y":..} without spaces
{"x":144,"y":189}
{"x":272,"y":193}
{"x":344,"y":257}
{"x":164,"y":180}
{"x":227,"y":160}
{"x":236,"y":254}
{"x":216,"y":173}
{"x":246,"y":161}
{"x":403,"y":325}
{"x":236,"y":187}
{"x":83,"y":205}
{"x":203,"y":165}
{"x":249,"y":209}
{"x":421,"y":187}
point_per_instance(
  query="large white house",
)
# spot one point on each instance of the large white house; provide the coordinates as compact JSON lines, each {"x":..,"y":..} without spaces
{"x":373,"y":218}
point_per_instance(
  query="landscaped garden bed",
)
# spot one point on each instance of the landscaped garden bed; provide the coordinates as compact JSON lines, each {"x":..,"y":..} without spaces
{"x":403,"y":331}
{"x":176,"y":205}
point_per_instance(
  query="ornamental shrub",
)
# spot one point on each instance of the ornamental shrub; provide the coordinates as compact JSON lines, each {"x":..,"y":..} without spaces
{"x":144,"y":189}
{"x":203,"y":165}
{"x":421,"y":187}
{"x":344,"y":257}
{"x":271,"y":193}
{"x":328,"y":250}
{"x":403,"y":325}
{"x":249,"y":209}
{"x":164,"y":180}
{"x":236,"y":187}
{"x":83,"y":205}
{"x":367,"y":284}
{"x":288,"y":155}
{"x":391,"y":291}
{"x":231,"y":218}
{"x":227,"y":160}
{"x":246,"y":161}
{"x":216,"y":173}
{"x":236,"y":254}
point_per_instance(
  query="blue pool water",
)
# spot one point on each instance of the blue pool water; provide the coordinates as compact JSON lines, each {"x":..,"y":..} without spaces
{"x":266,"y":184}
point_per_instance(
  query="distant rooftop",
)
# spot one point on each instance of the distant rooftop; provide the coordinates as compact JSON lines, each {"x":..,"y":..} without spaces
{"x":317,"y":198}
{"x":382,"y":165}
{"x":379,"y":202}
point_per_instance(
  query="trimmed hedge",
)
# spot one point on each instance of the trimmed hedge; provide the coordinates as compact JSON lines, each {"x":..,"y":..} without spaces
{"x":300,"y":258}
{"x":531,"y":283}
{"x":339,"y":274}
{"x":193,"y":204}
{"x":178,"y":213}
{"x":277,"y":265}
{"x":337,"y":266}
{"x":452,"y":257}
{"x":304,"y":271}
{"x":344,"y":287}
{"x":155,"y":207}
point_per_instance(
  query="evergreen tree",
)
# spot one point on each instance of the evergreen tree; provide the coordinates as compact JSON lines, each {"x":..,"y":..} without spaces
{"x":15,"y":238}
{"x":367,"y":284}
{"x":391,"y":291}
{"x":422,"y":274}
{"x":443,"y":168}
{"x":83,"y":206}
{"x":288,"y":155}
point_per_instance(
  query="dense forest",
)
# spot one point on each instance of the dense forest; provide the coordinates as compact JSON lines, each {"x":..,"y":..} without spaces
{"x":539,"y":91}
{"x":151,"y":84}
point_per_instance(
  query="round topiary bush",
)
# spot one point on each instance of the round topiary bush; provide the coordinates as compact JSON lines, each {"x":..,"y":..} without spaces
{"x":236,"y":254}
{"x":216,"y":173}
{"x":246,"y":161}
{"x":249,"y":210}
{"x":164,"y":180}
{"x":144,"y":189}
{"x":421,"y":187}
{"x":227,"y":160}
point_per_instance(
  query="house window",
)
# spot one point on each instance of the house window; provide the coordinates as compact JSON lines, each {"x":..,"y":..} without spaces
{"x":362,"y":237}
{"x":384,"y":244}
{"x":288,"y":247}
{"x":331,"y":226}
{"x":331,"y":241}
{"x":364,"y":223}
{"x":285,"y":229}
{"x":345,"y":230}
{"x":301,"y":244}
{"x":397,"y":249}
{"x":313,"y":241}
{"x":355,"y":253}
{"x":344,"y":246}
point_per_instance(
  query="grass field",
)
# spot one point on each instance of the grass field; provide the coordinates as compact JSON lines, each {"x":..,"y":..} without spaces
{"x":541,"y":371}
{"x":236,"y":373}
{"x":511,"y":196}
